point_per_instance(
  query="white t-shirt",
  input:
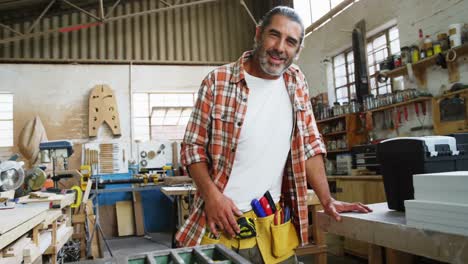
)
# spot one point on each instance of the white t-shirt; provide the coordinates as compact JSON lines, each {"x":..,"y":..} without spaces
{"x":264,"y":143}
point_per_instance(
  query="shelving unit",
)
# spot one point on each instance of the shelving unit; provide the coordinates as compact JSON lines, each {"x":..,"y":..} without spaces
{"x":350,"y":132}
{"x":330,"y":119}
{"x":416,"y":100}
{"x":443,"y":127}
{"x":335,"y":133}
{"x":419,"y":68}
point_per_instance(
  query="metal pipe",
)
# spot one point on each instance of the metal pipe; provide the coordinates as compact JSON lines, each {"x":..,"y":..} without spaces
{"x":11,"y":29}
{"x":120,"y":181}
{"x":82,"y":10}
{"x":130,"y":93}
{"x":248,"y":12}
{"x":101,"y":9}
{"x":112,"y":8}
{"x":328,"y":15}
{"x":161,"y":9}
{"x":164,"y":2}
{"x":40,"y":16}
{"x":38,"y":34}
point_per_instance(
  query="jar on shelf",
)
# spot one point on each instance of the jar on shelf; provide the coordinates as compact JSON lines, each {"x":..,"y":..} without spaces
{"x":414,"y":54}
{"x":444,"y":41}
{"x":354,"y":106}
{"x":345,"y":108}
{"x":405,"y":55}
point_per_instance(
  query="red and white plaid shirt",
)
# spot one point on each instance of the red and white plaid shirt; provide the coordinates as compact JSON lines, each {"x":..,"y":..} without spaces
{"x":212,"y":136}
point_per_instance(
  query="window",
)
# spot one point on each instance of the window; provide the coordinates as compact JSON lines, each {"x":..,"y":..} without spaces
{"x":6,"y":120}
{"x":378,"y":48}
{"x":343,"y":70}
{"x":161,"y":116}
{"x":312,"y":10}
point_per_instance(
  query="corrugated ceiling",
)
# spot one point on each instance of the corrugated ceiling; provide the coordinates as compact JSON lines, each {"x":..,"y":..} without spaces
{"x":208,"y":33}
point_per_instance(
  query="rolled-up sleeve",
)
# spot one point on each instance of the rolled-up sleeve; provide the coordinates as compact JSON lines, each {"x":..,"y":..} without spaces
{"x":197,"y":133}
{"x":313,"y":142}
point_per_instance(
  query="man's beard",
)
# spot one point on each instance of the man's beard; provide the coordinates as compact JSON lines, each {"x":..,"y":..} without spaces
{"x":273,"y":70}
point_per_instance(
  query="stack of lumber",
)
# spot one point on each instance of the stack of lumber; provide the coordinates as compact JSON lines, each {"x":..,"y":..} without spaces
{"x":441,"y":202}
{"x":32,"y":229}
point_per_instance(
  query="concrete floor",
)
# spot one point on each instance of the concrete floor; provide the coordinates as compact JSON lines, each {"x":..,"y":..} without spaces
{"x":160,"y":241}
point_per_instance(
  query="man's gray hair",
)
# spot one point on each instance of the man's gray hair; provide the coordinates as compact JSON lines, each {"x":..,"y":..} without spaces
{"x":284,"y":11}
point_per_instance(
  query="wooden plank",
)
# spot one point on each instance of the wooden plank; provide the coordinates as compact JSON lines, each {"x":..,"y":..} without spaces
{"x":375,"y":254}
{"x":17,"y":247}
{"x":52,"y":215}
{"x":11,"y":218}
{"x":89,"y":184}
{"x":95,"y":244}
{"x":107,"y":215}
{"x":139,"y":214}
{"x":64,"y":236}
{"x":78,"y":219}
{"x":63,"y":200}
{"x":397,"y":257}
{"x":20,"y":229}
{"x":31,"y":253}
{"x":125,"y":221}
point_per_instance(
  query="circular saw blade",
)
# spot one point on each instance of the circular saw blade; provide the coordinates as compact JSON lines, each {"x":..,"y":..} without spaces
{"x":11,"y":179}
{"x":35,"y":179}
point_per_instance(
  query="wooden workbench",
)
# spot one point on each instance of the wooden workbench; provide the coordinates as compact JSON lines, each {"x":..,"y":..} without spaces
{"x":387,"y":228}
{"x":49,"y":229}
{"x":18,"y":221}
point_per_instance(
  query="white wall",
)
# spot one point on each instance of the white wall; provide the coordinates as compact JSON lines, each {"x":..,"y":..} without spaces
{"x":433,"y":16}
{"x":58,"y":94}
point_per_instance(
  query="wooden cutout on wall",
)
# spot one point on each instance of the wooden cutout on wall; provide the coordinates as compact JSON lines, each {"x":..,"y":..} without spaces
{"x":103,"y":109}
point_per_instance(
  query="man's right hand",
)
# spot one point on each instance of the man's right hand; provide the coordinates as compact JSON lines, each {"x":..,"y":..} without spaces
{"x":221,"y":214}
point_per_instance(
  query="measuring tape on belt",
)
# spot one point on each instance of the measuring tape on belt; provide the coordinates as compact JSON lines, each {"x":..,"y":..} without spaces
{"x":247,"y":228}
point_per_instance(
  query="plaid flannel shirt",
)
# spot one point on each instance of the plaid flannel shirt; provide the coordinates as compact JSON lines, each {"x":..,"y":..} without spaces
{"x":212,"y":135}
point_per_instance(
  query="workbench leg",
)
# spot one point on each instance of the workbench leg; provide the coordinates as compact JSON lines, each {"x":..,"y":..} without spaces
{"x":375,"y":254}
{"x":174,"y":220}
{"x":397,"y":257}
{"x":54,"y":242}
{"x":318,"y":235}
{"x":35,"y":235}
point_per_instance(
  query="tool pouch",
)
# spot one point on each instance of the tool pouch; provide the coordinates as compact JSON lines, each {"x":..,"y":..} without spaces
{"x":276,"y":242}
{"x":284,"y":239}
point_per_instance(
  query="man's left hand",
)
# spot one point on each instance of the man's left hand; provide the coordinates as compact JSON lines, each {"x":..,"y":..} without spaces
{"x":333,"y":208}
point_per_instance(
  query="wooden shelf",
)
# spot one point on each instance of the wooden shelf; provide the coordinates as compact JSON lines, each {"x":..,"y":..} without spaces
{"x":334,"y":133}
{"x":419,"y":99}
{"x":66,"y":235}
{"x":330,"y":119}
{"x":419,"y":68}
{"x":338,"y":151}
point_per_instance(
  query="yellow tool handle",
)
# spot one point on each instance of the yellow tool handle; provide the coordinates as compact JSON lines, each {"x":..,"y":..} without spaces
{"x":79,"y":196}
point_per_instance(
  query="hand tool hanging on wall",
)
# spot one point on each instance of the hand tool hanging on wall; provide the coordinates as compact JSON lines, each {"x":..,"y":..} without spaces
{"x":103,"y":109}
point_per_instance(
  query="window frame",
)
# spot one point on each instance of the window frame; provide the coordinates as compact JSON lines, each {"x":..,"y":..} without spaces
{"x":347,"y":75}
{"x":375,"y":64}
{"x":149,"y":115}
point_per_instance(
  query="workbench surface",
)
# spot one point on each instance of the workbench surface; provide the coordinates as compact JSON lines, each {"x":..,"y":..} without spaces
{"x":387,"y":228}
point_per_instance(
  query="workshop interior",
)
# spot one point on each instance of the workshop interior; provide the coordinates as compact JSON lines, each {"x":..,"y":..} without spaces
{"x":95,"y":97}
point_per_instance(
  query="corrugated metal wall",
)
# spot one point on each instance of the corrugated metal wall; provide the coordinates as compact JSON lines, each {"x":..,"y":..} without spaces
{"x":211,"y":33}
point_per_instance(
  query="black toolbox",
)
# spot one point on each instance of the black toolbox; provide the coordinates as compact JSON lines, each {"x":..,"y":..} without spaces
{"x":401,"y":158}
